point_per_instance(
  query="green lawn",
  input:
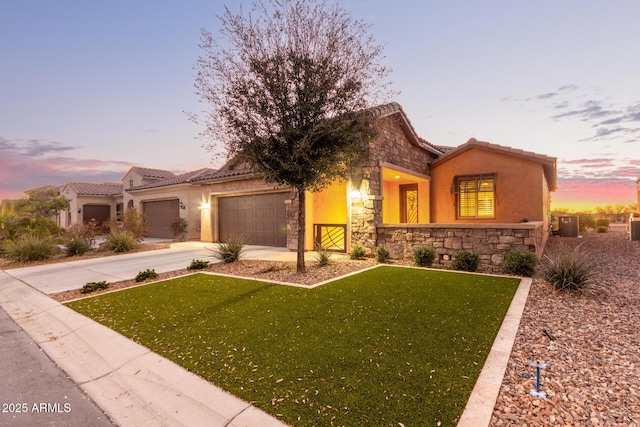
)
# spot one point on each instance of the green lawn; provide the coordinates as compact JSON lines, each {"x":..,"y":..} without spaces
{"x":386,"y":346}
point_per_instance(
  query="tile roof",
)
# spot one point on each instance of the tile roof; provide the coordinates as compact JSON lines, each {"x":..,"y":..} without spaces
{"x":175,"y":179}
{"x":548,"y":163}
{"x":152,"y":173}
{"x":43,"y":188}
{"x":95,"y":189}
{"x":224,"y":174}
{"x":392,"y":108}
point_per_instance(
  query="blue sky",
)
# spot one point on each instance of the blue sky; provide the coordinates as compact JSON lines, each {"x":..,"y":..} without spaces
{"x":89,"y":88}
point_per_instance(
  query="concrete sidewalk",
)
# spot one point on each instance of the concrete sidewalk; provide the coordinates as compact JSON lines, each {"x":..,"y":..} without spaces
{"x":134,"y":386}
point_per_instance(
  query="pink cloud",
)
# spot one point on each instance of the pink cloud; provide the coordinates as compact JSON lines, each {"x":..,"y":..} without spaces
{"x":21,"y":169}
{"x":590,"y":162}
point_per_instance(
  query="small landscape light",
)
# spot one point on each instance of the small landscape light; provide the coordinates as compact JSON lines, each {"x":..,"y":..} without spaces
{"x":537,"y":392}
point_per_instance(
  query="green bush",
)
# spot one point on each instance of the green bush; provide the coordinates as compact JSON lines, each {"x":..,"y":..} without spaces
{"x":30,"y":247}
{"x":322,"y":255}
{"x":520,"y":263}
{"x":602,"y":229}
{"x":76,"y":244}
{"x":121,"y":241}
{"x":424,"y":256}
{"x":230,"y":250}
{"x":358,"y":251}
{"x":568,"y":269}
{"x":34,"y":225}
{"x":466,"y":261}
{"x":94,"y":286}
{"x":132,"y":221}
{"x":602,"y":222}
{"x":382,"y":254}
{"x":149,"y":273}
{"x":198,"y":264}
{"x":585,"y":221}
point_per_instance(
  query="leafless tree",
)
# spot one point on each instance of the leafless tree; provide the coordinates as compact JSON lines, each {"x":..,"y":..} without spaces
{"x":287,"y":86}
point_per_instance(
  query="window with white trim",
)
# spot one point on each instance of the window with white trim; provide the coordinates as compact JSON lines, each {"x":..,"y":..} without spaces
{"x":475,"y":196}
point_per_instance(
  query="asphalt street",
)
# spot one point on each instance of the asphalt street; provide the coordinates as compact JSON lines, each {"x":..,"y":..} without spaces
{"x":34,"y":391}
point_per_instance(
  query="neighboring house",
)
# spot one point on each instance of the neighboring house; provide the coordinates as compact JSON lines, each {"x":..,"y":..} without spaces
{"x":478,"y":196}
{"x":90,"y":201}
{"x":165,"y":200}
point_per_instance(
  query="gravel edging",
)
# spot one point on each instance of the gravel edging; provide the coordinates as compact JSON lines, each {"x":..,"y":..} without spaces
{"x":593,"y":361}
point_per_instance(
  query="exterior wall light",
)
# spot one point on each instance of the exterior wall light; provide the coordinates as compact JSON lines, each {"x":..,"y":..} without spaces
{"x":204,"y":205}
{"x":355,"y":195}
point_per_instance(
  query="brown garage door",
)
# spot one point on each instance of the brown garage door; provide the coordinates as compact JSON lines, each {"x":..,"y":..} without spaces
{"x":260,"y":219}
{"x":99,"y":213}
{"x":160,"y":214}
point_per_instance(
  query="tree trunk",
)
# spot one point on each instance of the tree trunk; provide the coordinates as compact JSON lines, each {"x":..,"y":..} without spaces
{"x":301,"y":230}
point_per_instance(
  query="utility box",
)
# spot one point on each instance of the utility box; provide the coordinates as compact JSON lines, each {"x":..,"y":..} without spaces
{"x":634,"y":229}
{"x":568,"y":226}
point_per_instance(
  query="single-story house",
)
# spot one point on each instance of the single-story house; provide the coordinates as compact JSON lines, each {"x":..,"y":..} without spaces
{"x":90,"y":201}
{"x":477,"y":196}
{"x":164,"y":200}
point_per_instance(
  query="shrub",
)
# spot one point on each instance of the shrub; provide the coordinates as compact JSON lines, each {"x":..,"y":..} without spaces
{"x":34,"y":225}
{"x":30,"y":247}
{"x":585,"y":221}
{"x":76,"y":244}
{"x":230,"y":250}
{"x":198,"y":264}
{"x":323,"y":256}
{"x":382,"y":254}
{"x":149,"y":273}
{"x":602,"y":225}
{"x":133,"y":222}
{"x":79,"y":238}
{"x":568,"y":269}
{"x":178,"y":227}
{"x":358,"y":251}
{"x":94,"y":286}
{"x":120,"y":241}
{"x":424,"y":256}
{"x":520,"y":263}
{"x":466,"y":261}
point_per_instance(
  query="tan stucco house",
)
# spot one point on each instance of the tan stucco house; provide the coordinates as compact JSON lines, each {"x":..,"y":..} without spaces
{"x":164,"y":197}
{"x":90,"y":201}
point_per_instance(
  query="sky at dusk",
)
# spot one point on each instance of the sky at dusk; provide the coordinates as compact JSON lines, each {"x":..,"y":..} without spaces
{"x":89,"y":89}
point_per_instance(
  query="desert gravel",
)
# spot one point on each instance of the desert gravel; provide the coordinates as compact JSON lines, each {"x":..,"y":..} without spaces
{"x":593,"y":361}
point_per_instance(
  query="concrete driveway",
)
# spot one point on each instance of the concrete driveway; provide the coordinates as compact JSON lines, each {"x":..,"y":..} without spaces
{"x":64,"y":276}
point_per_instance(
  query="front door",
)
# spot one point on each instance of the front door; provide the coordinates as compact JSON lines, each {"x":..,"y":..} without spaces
{"x":409,"y":203}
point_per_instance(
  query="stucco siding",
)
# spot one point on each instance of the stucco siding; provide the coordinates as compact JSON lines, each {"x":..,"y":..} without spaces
{"x":520,"y":187}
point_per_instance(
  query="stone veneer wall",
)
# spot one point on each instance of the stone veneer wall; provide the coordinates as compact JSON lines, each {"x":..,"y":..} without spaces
{"x":389,"y":147}
{"x":490,"y":241}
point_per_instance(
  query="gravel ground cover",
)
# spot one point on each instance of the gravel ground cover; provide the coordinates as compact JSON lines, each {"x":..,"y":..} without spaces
{"x":592,"y":352}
